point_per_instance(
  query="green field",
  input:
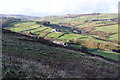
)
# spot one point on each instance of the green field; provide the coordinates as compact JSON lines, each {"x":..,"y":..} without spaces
{"x":80,"y":20}
{"x":17,"y":27}
{"x":54,"y":35}
{"x":108,"y":54}
{"x":114,"y":37}
{"x":71,"y":36}
{"x":41,"y":34}
{"x":38,"y":29}
{"x":26,"y":57}
{"x":110,"y":32}
{"x":108,"y":29}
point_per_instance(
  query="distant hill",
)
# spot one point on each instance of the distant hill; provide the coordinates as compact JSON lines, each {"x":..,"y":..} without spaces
{"x":19,"y":16}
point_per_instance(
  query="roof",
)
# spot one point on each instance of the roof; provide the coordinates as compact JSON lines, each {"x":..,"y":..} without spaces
{"x":58,"y":42}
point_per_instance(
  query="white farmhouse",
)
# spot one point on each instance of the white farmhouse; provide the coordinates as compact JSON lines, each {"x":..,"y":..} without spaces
{"x":54,"y":30}
{"x":60,"y":43}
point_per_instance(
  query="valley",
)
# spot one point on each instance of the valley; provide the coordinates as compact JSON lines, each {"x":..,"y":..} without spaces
{"x":74,"y":46}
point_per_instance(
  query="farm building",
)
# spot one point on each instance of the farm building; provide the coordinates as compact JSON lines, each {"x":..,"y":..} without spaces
{"x":111,"y":19}
{"x":60,"y":43}
{"x":55,"y":30}
{"x":95,"y":20}
{"x":86,"y":21}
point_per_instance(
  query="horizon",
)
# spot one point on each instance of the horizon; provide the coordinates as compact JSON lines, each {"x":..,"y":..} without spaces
{"x":42,"y":8}
{"x":56,"y":15}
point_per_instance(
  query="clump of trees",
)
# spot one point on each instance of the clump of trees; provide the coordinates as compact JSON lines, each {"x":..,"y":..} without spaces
{"x":7,"y":20}
{"x":94,"y":44}
{"x":43,"y":22}
{"x":99,"y":33}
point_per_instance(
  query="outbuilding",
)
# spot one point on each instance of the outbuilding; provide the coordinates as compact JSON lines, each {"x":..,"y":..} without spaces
{"x":60,"y":43}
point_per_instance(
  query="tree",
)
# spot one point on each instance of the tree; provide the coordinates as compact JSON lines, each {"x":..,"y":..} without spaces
{"x":84,"y":49}
{"x":43,"y":22}
{"x":102,"y":46}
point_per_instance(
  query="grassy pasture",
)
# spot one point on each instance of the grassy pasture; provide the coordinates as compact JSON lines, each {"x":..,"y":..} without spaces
{"x":79,"y":21}
{"x":95,"y":23}
{"x":108,"y":16}
{"x":108,"y":29}
{"x":48,"y":30}
{"x":22,"y":26}
{"x":71,"y":36}
{"x":41,"y":34}
{"x":114,"y":37}
{"x":38,"y":29}
{"x":108,"y":54}
{"x":54,"y":35}
{"x":82,"y":18}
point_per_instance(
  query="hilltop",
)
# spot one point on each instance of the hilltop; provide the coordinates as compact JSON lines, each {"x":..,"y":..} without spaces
{"x":25,"y":17}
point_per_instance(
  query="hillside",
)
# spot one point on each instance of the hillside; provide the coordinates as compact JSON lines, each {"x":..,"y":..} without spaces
{"x":19,"y":16}
{"x":97,"y":33}
{"x":23,"y":58}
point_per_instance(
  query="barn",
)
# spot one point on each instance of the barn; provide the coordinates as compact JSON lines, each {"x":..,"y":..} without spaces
{"x":60,"y":43}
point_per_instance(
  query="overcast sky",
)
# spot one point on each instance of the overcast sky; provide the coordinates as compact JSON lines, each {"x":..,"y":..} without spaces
{"x":57,"y":7}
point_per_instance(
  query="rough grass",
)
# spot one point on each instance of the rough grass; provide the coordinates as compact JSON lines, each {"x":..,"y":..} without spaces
{"x":41,"y":34}
{"x":24,"y":47}
{"x":108,"y":29}
{"x":22,"y":26}
{"x":114,"y":37}
{"x":92,"y":39}
{"x":30,"y":59}
{"x":71,"y":36}
{"x":108,"y":54}
{"x":38,"y":29}
{"x":48,"y":30}
{"x":79,"y":20}
{"x":42,"y":31}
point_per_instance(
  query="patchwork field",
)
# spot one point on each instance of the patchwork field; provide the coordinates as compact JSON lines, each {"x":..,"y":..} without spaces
{"x":71,"y":36}
{"x":55,"y":35}
{"x":97,"y":31}
{"x":108,"y":29}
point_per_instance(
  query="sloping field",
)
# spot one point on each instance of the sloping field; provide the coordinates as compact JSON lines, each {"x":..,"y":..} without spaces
{"x":17,"y":27}
{"x":101,"y":35}
{"x":115,"y":37}
{"x":108,"y":29}
{"x":71,"y":36}
{"x":25,"y":59}
{"x":54,"y":35}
